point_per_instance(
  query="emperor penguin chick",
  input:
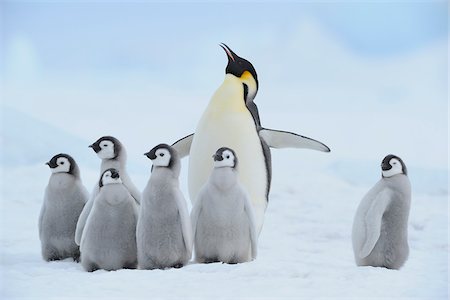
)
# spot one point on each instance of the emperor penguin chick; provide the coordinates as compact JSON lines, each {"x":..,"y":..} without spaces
{"x":164,"y":232}
{"x":222,"y":216}
{"x":380,"y":227}
{"x":64,"y":199}
{"x":113,"y":155}
{"x":109,"y":238}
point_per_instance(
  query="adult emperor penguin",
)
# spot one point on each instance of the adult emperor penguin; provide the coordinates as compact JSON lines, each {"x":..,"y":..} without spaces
{"x":113,"y":155}
{"x":222,"y":217}
{"x":109,"y":238}
{"x":64,"y":199}
{"x":232,"y":119}
{"x":164,"y":232}
{"x":380,"y":227}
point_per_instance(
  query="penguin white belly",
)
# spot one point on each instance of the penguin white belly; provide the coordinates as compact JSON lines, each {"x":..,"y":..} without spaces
{"x":234,"y":129}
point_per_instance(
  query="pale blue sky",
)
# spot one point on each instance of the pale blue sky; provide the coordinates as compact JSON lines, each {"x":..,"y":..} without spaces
{"x":105,"y":36}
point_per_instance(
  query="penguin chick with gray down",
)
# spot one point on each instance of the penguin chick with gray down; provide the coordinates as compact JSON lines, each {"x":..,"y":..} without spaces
{"x":164,"y":231}
{"x":113,"y":155}
{"x":64,"y":199}
{"x":109,"y":238}
{"x":380,"y":227}
{"x":222,"y":216}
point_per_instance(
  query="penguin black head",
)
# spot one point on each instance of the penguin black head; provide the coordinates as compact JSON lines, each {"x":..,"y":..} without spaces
{"x":110,"y":176}
{"x":244,"y":70}
{"x":393,"y":165}
{"x":107,"y":147}
{"x":225,"y":157}
{"x":62,"y":163}
{"x":161,"y":155}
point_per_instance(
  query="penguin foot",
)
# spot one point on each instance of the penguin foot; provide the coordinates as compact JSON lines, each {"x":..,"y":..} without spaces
{"x":52,"y":258}
{"x":50,"y":254}
{"x":178,"y":266}
{"x":92,"y":267}
{"x":76,"y":257}
{"x":132,"y":265}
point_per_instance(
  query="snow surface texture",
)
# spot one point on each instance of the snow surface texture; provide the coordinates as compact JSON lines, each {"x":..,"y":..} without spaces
{"x":304,"y":249}
{"x":305,"y":246}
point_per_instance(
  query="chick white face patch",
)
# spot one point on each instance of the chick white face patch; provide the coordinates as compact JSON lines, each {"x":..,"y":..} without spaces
{"x":106,"y":150}
{"x":396,"y":168}
{"x":63,"y":165}
{"x":162,"y":158}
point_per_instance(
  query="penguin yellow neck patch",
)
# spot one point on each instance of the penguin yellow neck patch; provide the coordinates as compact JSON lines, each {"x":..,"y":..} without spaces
{"x":246,"y":76}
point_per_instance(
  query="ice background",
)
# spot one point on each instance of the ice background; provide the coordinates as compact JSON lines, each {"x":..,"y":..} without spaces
{"x":367,"y":79}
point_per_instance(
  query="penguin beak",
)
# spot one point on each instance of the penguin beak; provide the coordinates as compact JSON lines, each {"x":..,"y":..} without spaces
{"x":114,"y":174}
{"x":51,"y":164}
{"x":150,"y":155}
{"x":95,"y":147}
{"x":386,"y":166}
{"x":229,"y":52}
{"x":217,"y":157}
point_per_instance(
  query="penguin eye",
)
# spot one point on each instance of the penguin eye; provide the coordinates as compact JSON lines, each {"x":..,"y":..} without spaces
{"x":228,"y":156}
{"x":161,"y":154}
{"x":62,"y":163}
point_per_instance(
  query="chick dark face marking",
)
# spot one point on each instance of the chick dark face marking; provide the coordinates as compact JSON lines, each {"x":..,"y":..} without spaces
{"x":225,"y":157}
{"x":392,"y":165}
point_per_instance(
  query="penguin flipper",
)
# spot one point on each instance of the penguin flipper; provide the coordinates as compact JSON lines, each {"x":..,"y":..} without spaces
{"x":41,"y":218}
{"x":183,"y":145}
{"x":285,"y":139}
{"x":82,"y":220}
{"x":134,"y":192}
{"x":195,"y":213}
{"x":253,"y":236}
{"x":373,"y":221}
{"x":186,"y":227}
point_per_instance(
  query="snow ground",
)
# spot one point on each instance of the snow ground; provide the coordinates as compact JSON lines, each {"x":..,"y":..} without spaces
{"x":304,"y":249}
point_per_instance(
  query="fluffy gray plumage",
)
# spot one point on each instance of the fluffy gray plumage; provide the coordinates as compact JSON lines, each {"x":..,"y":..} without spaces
{"x":109,"y":237}
{"x":380,"y":228}
{"x":118,"y":162}
{"x":64,"y":199}
{"x":164,"y":232}
{"x":222,"y":220}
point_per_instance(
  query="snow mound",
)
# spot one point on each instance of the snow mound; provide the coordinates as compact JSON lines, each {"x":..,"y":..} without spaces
{"x":25,"y":141}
